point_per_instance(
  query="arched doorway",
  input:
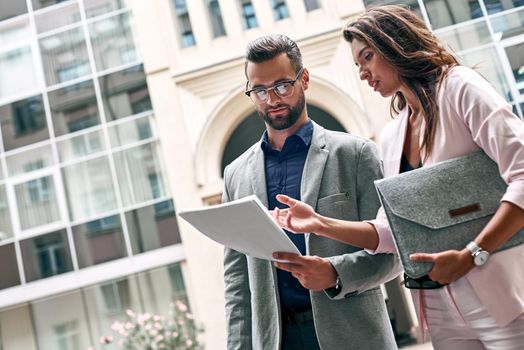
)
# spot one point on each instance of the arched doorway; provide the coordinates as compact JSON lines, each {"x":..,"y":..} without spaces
{"x":251,"y":128}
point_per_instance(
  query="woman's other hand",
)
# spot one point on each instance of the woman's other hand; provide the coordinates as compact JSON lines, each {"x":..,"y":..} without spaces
{"x":448,"y":266}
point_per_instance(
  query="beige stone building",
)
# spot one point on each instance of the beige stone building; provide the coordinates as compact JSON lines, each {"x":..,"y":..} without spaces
{"x":115,"y":113}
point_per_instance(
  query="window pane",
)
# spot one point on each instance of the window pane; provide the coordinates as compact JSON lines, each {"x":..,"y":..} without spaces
{"x":125,"y":93}
{"x":152,"y":227}
{"x":444,"y":13}
{"x":311,"y":5}
{"x":64,"y":56}
{"x":14,"y":33}
{"x":215,"y":16}
{"x":108,"y":302}
{"x":37,"y":202}
{"x":38,"y":4}
{"x":9,"y":276}
{"x":23,"y":122}
{"x":495,"y":6}
{"x":132,"y":131}
{"x":56,"y":18}
{"x":100,"y":7}
{"x":17,"y":72}
{"x":30,"y":160}
{"x":248,"y":14}
{"x":46,"y":255}
{"x":516,"y":60}
{"x":74,"y":108}
{"x":490,"y":67}
{"x":411,"y":4}
{"x":509,"y":25}
{"x":466,"y":36}
{"x":157,"y":300}
{"x":140,"y":174}
{"x":280,"y":10}
{"x":89,"y":188}
{"x":81,"y":145}
{"x":112,"y":41}
{"x":6,"y":230}
{"x":61,"y":323}
{"x":12,"y":8}
{"x":99,"y":241}
{"x":184,"y":23}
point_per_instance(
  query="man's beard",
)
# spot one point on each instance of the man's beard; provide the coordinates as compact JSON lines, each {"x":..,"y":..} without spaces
{"x":284,"y":122}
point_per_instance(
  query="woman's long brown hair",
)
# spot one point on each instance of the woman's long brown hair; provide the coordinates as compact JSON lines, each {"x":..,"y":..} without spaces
{"x":405,"y":42}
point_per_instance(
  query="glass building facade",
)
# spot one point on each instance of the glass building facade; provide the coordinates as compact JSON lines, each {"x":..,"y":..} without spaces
{"x":486,"y":34}
{"x":82,"y":182}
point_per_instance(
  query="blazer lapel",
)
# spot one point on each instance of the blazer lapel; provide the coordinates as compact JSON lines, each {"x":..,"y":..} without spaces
{"x":397,"y":146}
{"x":257,"y":174}
{"x":314,"y":167}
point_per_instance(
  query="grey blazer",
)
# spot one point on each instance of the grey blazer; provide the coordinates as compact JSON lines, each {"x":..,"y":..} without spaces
{"x":338,"y":182}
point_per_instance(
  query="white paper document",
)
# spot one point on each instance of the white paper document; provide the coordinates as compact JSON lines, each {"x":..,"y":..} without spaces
{"x":244,"y":225}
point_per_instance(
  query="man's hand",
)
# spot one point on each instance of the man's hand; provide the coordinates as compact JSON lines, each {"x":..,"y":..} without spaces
{"x":313,"y":272}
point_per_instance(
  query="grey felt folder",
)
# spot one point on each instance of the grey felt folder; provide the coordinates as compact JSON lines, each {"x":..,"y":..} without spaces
{"x":443,"y":206}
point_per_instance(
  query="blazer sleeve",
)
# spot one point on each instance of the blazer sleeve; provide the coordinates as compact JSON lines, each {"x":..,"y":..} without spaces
{"x":237,"y":294}
{"x":493,"y":126}
{"x":361,"y":271}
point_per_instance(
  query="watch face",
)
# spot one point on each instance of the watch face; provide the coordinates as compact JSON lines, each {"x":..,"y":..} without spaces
{"x":481,"y":258}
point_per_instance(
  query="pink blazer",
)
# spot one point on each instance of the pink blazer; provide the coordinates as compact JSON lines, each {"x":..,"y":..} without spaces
{"x":472,"y":116}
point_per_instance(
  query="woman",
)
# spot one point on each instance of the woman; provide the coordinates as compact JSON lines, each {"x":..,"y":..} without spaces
{"x":444,"y":111}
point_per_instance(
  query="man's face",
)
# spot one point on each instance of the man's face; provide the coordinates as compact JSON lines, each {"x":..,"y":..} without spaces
{"x":278,"y":112}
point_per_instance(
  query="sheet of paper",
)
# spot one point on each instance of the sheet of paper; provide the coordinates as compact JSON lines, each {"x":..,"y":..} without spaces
{"x":244,"y":225}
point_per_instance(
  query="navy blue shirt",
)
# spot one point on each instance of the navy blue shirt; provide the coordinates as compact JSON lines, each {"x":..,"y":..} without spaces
{"x":284,"y":176}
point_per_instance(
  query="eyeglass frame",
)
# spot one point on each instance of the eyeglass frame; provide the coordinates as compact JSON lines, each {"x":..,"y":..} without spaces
{"x":292,"y":82}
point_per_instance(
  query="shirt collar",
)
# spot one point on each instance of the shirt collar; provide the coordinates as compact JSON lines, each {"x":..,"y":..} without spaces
{"x":304,"y":134}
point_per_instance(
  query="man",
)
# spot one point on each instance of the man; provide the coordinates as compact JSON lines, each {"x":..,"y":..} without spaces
{"x":331,"y":299}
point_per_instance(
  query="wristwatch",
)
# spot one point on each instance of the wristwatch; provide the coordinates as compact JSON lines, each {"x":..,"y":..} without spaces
{"x":480,"y":256}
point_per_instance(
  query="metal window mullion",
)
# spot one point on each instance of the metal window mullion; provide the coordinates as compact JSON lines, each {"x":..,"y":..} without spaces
{"x":488,"y":22}
{"x":425,"y":15}
{"x":105,"y":131}
{"x":107,"y":15}
{"x":51,"y":7}
{"x":125,"y":209}
{"x":105,"y":152}
{"x":506,"y":12}
{"x":15,"y":223}
{"x":58,"y":30}
{"x":500,"y":49}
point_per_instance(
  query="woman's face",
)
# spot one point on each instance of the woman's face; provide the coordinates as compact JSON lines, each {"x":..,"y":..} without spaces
{"x":373,"y":68}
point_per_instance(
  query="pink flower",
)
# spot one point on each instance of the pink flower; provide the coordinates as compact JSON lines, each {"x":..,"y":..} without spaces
{"x":106,"y":339}
{"x":130,"y":313}
{"x":181,"y":306}
{"x":116,"y":326}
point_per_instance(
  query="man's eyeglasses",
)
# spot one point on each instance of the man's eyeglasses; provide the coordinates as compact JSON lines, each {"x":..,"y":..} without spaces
{"x":424,"y":282}
{"x":282,"y":89}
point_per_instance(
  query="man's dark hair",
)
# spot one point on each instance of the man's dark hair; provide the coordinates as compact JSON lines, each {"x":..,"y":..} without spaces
{"x":270,"y":46}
